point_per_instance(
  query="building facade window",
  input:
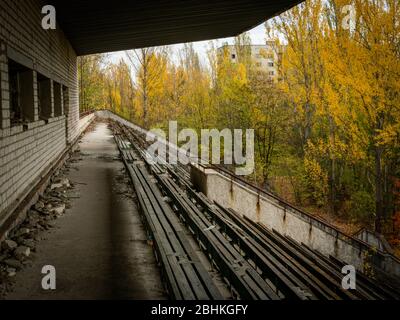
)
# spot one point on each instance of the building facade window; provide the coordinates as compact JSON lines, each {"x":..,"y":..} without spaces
{"x":65,"y":98}
{"x":21,"y":91}
{"x":44,"y":97}
{"x":57,"y":99}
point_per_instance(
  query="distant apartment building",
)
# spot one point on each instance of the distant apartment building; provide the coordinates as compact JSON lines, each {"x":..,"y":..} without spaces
{"x":265,"y":58}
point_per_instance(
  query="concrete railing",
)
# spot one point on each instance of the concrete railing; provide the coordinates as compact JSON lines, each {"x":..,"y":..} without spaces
{"x":84,"y":121}
{"x":274,"y":213}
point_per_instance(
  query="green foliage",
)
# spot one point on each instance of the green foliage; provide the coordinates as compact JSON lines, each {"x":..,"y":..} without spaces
{"x":362,"y":206}
{"x":315,"y":182}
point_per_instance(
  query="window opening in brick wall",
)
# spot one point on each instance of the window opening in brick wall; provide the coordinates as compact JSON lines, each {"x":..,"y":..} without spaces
{"x":65,"y":99}
{"x":22,"y":108}
{"x":57,"y":99}
{"x":44,"y":97}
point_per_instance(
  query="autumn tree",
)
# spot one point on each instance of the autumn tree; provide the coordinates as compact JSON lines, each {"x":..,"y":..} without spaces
{"x":343,"y":84}
{"x":269,"y":120}
{"x":150,"y":69}
{"x":91,"y":81}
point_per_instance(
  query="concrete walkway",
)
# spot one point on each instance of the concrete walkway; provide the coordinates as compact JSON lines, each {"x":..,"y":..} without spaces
{"x":99,"y":246}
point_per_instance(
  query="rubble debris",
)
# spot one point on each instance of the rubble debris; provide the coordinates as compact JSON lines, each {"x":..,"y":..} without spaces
{"x":9,"y":245}
{"x":13,"y":263}
{"x":61,"y":183}
{"x":11,"y":272}
{"x":59,"y":209}
{"x":39,"y":205}
{"x":22,"y":232}
{"x":16,"y":250}
{"x":22,"y":252}
{"x":50,"y":224}
{"x":56,"y":186}
{"x":65,"y":182}
{"x":30,"y":243}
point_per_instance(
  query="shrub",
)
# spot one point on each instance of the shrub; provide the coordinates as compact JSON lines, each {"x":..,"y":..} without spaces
{"x":362,"y":206}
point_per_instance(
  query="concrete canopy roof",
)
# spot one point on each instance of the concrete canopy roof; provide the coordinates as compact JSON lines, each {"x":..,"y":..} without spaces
{"x":94,"y":26}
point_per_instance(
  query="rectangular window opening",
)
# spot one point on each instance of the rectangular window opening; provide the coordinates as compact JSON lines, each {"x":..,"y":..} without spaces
{"x":65,"y":99}
{"x":57,"y":99}
{"x":44,"y":97}
{"x":22,"y":109}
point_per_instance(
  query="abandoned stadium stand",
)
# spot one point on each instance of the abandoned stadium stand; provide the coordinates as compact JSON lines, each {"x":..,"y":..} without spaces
{"x":39,"y":95}
{"x":39,"y":110}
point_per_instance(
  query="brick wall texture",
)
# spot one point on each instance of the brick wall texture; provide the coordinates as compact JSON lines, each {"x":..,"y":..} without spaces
{"x":26,"y":152}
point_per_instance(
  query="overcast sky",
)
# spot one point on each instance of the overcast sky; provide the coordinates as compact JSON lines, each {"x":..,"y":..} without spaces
{"x":257,"y":36}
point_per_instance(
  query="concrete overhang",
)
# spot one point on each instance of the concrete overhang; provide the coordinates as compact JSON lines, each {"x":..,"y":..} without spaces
{"x":94,"y":26}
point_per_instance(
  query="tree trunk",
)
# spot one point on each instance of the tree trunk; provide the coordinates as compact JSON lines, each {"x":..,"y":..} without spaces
{"x":332,"y":186}
{"x":378,"y":189}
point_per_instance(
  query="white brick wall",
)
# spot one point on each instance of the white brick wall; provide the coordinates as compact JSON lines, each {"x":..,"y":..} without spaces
{"x":24,"y":154}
